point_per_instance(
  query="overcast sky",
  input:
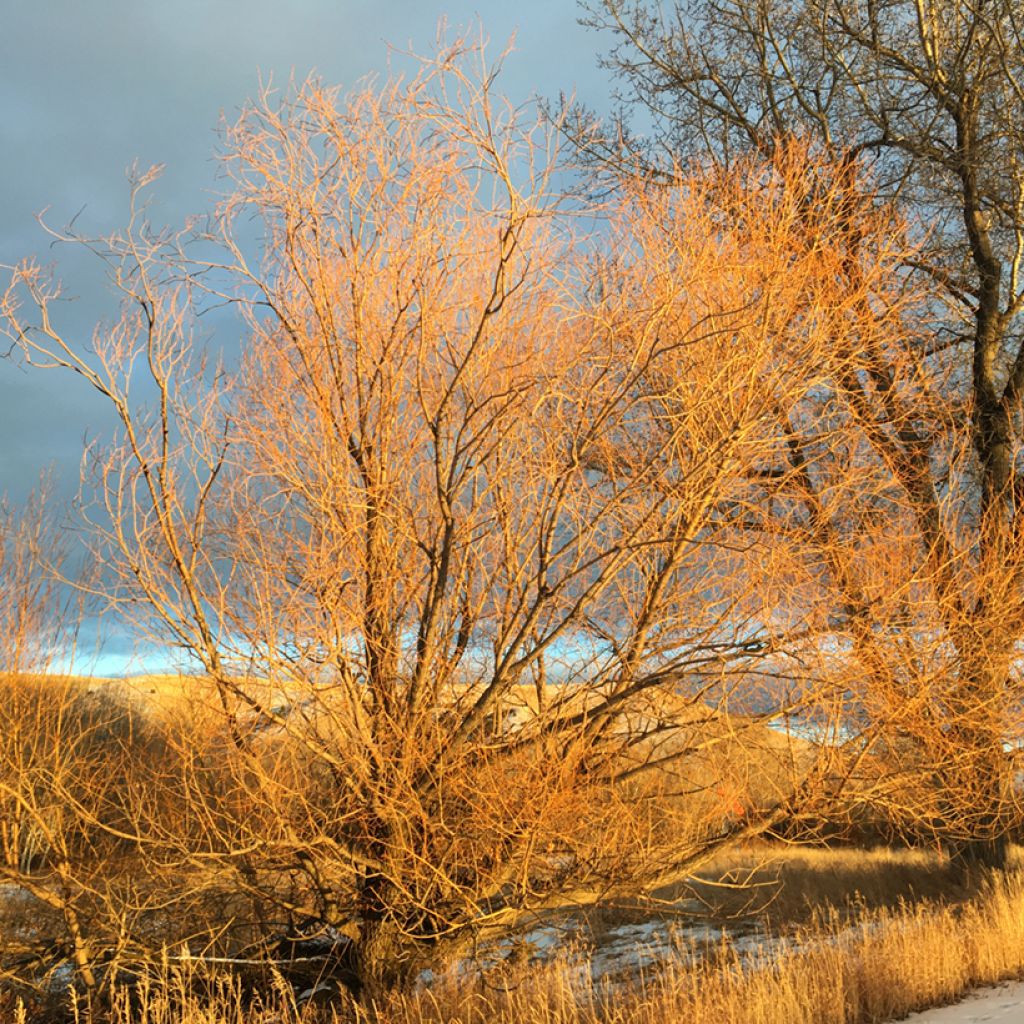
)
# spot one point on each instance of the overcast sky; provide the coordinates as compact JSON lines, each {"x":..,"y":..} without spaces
{"x":89,"y":86}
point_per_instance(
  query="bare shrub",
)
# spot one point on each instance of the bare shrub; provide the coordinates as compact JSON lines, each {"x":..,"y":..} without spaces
{"x":471,"y":546}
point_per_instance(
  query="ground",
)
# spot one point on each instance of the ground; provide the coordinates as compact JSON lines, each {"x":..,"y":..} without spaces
{"x":1003,"y":1004}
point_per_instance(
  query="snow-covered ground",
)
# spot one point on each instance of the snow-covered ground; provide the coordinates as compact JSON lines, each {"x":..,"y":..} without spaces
{"x":624,"y":949}
{"x":1003,"y":1004}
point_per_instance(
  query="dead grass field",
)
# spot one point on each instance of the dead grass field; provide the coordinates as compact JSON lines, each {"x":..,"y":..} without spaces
{"x":846,"y":935}
{"x":859,"y":936}
{"x":788,"y":885}
{"x":878,"y":967}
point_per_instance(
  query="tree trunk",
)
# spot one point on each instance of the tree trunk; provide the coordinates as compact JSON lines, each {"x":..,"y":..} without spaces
{"x":382,"y":962}
{"x":383,"y":959}
{"x":985,"y":801}
{"x":980,"y":771}
{"x":990,"y":854}
{"x":81,"y":954}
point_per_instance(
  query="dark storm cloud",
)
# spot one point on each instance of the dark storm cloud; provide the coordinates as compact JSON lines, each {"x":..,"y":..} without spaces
{"x":88,"y":86}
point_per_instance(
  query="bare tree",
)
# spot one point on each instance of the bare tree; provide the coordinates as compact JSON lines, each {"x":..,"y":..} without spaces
{"x":31,"y":632}
{"x":84,"y":779}
{"x":929,"y":95}
{"x":460,"y":479}
{"x":33,"y":608}
{"x":467,"y":546}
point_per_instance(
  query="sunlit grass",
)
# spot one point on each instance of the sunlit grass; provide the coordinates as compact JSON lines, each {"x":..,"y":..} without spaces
{"x":873,"y":965}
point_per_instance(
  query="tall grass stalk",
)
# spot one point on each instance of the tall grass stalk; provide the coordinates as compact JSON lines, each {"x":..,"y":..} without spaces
{"x":886,"y":964}
{"x":883,"y":965}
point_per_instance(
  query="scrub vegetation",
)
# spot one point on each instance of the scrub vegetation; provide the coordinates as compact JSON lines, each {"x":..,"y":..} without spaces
{"x":577,"y":526}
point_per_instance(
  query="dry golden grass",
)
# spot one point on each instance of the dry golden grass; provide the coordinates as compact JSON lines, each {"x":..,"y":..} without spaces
{"x":787,"y":885}
{"x":885,"y":964}
{"x":878,"y":965}
{"x":900,"y":936}
{"x":781,"y":887}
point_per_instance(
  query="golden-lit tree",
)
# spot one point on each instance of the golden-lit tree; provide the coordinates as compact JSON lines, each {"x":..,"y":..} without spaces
{"x":931,"y":96}
{"x":32,"y":605}
{"x":462,"y":478}
{"x":472,"y":546}
{"x":37,"y":754}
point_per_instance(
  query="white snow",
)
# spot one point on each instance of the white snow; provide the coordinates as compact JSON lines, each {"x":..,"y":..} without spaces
{"x":1003,"y":1004}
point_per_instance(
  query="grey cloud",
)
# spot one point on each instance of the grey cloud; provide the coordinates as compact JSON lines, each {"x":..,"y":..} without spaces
{"x":89,"y":86}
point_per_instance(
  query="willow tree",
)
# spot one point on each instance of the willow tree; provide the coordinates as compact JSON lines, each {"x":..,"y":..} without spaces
{"x":463,"y":544}
{"x":928,"y":94}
